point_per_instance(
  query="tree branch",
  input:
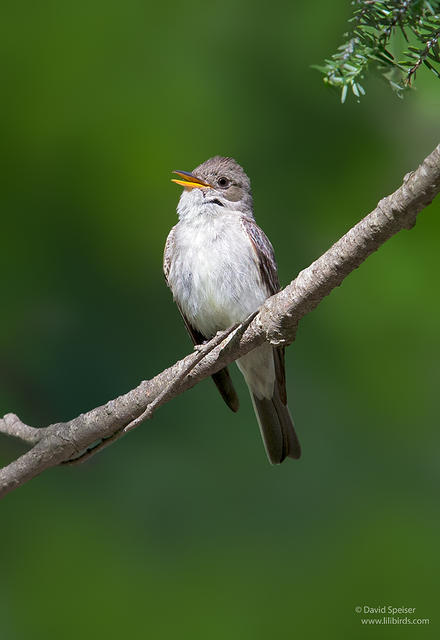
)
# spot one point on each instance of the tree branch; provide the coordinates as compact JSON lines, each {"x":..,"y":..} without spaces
{"x":11,"y":425}
{"x":276,"y":322}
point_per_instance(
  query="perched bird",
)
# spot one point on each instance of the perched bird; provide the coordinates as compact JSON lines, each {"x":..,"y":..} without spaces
{"x":220,"y":267}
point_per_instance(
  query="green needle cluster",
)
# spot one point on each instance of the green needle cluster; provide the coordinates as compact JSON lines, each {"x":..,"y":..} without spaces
{"x":393,"y":38}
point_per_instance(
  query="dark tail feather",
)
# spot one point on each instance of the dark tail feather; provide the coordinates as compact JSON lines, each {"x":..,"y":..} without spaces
{"x":276,"y":426}
{"x":224,"y":384}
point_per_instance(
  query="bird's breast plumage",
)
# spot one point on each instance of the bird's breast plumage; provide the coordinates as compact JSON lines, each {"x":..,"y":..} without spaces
{"x":213,"y":273}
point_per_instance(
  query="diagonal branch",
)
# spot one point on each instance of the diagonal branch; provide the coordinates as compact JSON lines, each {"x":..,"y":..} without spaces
{"x":276,"y":322}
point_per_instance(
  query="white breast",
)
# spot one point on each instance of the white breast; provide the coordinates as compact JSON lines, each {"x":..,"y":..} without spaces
{"x":213,"y":274}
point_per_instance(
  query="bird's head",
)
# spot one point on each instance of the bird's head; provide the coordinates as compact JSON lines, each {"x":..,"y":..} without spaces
{"x":218,"y":184}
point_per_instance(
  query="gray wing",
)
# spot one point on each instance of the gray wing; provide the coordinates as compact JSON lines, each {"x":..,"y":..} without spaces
{"x":222,"y":378}
{"x":265,"y":258}
{"x":264,"y":255}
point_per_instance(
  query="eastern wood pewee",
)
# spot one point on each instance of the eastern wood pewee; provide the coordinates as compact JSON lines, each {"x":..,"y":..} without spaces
{"x":221,"y":267}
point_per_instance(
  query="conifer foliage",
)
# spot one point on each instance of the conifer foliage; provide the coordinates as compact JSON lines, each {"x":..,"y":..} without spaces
{"x":395,"y":38}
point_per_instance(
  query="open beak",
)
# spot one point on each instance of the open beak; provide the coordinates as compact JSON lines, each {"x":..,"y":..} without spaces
{"x":190,"y":181}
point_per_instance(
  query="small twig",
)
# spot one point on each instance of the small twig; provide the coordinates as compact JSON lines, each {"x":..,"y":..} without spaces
{"x":11,"y":425}
{"x":203,"y":351}
{"x":432,"y":41}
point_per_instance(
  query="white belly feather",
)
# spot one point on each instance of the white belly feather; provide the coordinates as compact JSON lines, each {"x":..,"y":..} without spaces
{"x":214,"y":275}
{"x":215,"y":279}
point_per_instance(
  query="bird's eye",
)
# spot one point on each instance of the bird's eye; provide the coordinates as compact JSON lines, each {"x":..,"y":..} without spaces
{"x":223,"y":182}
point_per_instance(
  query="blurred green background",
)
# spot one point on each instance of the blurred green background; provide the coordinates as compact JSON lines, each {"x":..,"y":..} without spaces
{"x":182,"y":529}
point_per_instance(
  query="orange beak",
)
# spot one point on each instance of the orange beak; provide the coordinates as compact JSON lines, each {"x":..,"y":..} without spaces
{"x":190,"y":181}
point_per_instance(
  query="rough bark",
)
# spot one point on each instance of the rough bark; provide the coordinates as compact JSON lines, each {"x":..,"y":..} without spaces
{"x":276,"y":322}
